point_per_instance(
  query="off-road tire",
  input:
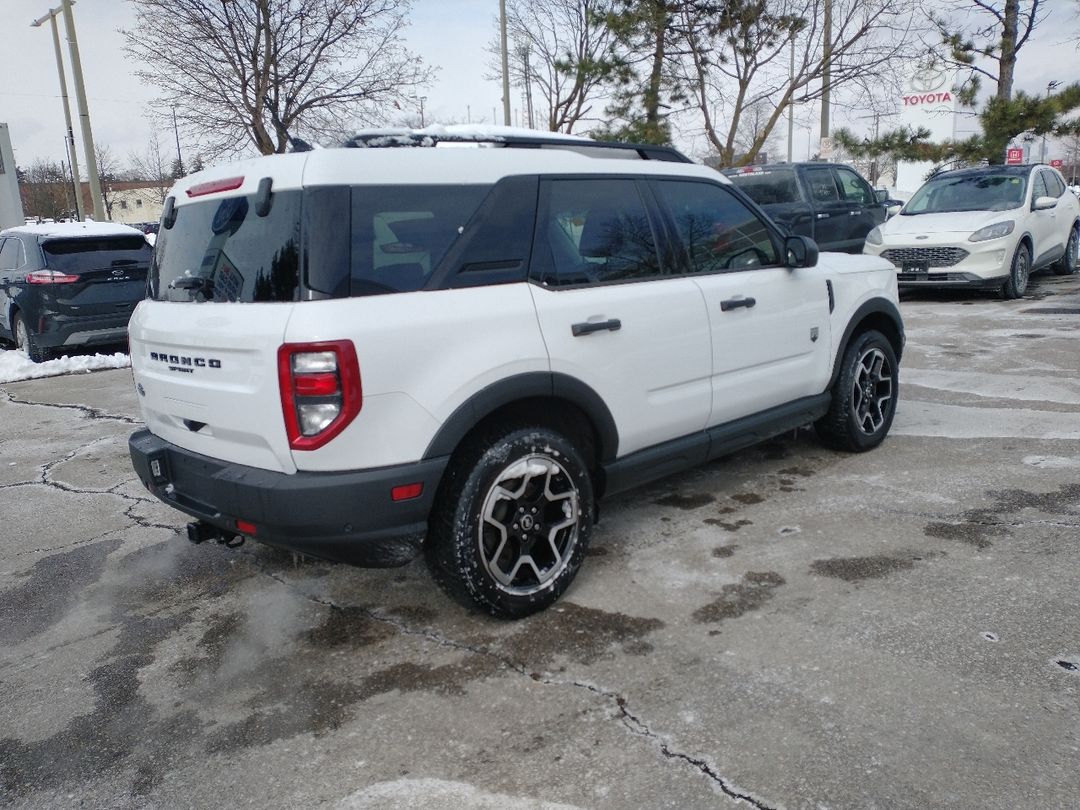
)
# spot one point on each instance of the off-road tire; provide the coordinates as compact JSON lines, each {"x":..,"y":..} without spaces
{"x":1066,"y":265}
{"x":484,"y":502}
{"x":863,"y":396}
{"x":25,"y":340}
{"x":1019,"y":273}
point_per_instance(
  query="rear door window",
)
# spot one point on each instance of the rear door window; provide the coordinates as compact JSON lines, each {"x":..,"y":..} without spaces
{"x":401,"y":233}
{"x":222,"y":250}
{"x":10,"y":254}
{"x":592,"y":232}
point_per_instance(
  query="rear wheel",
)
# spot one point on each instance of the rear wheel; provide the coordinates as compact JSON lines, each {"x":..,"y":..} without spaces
{"x":26,"y":342}
{"x":512,"y":521}
{"x":863,"y":397}
{"x":1066,"y":265}
{"x":1016,"y":284}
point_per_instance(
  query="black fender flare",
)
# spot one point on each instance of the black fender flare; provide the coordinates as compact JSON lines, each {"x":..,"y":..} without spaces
{"x":531,"y":385}
{"x":875,"y":306}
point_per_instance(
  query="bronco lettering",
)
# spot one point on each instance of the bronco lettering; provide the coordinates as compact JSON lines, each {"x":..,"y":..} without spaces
{"x":180,"y":360}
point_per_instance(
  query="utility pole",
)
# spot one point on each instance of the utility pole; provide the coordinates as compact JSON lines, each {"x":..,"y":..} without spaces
{"x":84,"y":113}
{"x":826,"y":69}
{"x":791,"y":103}
{"x":179,"y":157}
{"x":505,"y":64}
{"x":422,"y":99}
{"x":69,"y":140}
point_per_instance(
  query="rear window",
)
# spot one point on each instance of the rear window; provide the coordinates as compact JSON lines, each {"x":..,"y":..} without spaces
{"x":221,"y":250}
{"x":768,"y":188}
{"x":86,"y":255}
{"x":400,"y":233}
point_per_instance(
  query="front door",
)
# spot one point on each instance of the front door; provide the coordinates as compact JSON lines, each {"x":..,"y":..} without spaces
{"x":831,"y":213}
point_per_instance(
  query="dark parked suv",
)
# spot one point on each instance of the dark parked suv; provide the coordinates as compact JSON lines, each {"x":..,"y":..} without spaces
{"x":831,"y":204}
{"x":69,"y":284}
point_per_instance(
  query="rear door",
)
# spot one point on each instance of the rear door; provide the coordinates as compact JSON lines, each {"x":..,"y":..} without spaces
{"x":612,"y":313}
{"x":769,"y":324}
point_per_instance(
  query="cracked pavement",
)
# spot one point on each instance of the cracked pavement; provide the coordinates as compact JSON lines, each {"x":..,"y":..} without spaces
{"x":786,"y":628}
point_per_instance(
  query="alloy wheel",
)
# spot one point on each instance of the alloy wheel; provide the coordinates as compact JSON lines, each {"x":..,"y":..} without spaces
{"x":872,"y":390}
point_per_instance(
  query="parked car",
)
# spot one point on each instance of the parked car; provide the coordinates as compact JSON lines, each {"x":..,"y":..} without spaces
{"x":830,"y":203}
{"x":362,"y":353}
{"x":988,"y":227}
{"x":67,"y":285}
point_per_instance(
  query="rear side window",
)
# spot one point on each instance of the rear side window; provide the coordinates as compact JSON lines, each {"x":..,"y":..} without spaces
{"x":593,"y":231}
{"x":86,"y":255}
{"x":768,"y":187}
{"x":221,"y":250}
{"x":10,"y":254}
{"x":719,"y":233}
{"x":400,"y":233}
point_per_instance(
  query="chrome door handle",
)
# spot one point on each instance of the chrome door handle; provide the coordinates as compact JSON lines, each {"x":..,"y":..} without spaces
{"x":822,"y":216}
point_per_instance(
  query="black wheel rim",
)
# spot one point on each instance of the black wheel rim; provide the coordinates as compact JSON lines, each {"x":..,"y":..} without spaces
{"x":529,"y":524}
{"x":872,"y":391}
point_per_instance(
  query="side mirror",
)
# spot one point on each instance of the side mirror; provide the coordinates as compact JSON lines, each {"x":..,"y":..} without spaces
{"x":881,"y":196}
{"x":800,"y":251}
{"x":1044,"y":203}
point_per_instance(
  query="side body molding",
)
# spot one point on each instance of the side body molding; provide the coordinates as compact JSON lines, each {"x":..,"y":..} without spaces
{"x":537,"y":385}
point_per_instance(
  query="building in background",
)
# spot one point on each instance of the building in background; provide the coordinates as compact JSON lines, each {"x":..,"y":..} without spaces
{"x":11,"y":210}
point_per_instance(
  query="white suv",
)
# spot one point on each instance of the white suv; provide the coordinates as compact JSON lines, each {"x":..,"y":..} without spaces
{"x":358,"y":353}
{"x":988,"y":227}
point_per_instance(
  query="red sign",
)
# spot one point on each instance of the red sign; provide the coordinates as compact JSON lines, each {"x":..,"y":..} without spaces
{"x":1057,"y":163}
{"x":1014,"y":157}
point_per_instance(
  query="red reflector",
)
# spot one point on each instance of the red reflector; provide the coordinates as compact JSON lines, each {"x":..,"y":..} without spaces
{"x":244,"y":527}
{"x":214,"y":186}
{"x":407,"y":491}
{"x":316,"y":385}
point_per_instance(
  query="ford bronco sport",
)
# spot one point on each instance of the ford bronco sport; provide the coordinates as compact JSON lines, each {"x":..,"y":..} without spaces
{"x":361,"y":353}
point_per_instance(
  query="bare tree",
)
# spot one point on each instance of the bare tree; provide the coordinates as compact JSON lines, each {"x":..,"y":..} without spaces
{"x":741,"y":57}
{"x":249,"y":74}
{"x":153,"y":166}
{"x":45,"y":189}
{"x":558,"y":49}
{"x":109,"y":172}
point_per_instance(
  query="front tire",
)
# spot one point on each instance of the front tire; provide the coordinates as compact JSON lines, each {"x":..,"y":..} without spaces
{"x":1016,"y":284}
{"x":1066,"y":265}
{"x":863,"y":397}
{"x":25,"y":341}
{"x":512,"y":521}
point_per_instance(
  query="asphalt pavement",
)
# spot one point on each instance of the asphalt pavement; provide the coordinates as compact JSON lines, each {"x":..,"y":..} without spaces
{"x":789,"y":627}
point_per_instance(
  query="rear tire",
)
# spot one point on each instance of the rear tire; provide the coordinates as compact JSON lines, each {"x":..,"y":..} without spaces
{"x":863,"y":397}
{"x":25,"y":341}
{"x":1066,"y":265}
{"x":1016,"y":284}
{"x":512,"y":521}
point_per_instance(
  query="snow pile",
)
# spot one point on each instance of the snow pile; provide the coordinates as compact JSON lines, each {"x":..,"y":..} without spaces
{"x":15,"y":365}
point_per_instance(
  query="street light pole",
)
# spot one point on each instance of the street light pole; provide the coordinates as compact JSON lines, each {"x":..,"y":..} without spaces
{"x":1049,"y":86}
{"x":69,"y":140}
{"x":505,"y":64}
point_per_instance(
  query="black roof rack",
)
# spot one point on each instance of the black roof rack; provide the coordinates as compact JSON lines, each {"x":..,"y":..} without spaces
{"x":413,"y":138}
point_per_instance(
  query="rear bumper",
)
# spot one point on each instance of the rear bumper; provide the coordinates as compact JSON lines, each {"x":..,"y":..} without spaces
{"x":68,"y":330}
{"x":344,"y":516}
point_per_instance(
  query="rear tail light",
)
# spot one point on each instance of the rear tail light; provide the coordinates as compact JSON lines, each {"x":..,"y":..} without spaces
{"x":320,"y":390}
{"x":50,"y":277}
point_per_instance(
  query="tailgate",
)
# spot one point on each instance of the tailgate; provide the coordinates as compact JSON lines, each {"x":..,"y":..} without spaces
{"x":207,"y":378}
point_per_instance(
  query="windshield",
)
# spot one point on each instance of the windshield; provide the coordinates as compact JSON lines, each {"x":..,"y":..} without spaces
{"x":83,"y":255}
{"x":222,"y":250}
{"x":968,"y":192}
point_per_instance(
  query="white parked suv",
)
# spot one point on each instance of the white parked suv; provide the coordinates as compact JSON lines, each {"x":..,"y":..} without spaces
{"x":989,"y":227}
{"x":359,"y":353}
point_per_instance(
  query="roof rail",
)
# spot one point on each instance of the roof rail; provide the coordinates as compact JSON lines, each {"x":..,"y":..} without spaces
{"x":381,"y":139}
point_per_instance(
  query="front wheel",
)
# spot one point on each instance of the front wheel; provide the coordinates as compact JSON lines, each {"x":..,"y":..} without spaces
{"x":25,"y":342}
{"x":863,"y":397}
{"x":1016,"y":284}
{"x":512,"y":521}
{"x":1066,"y":265}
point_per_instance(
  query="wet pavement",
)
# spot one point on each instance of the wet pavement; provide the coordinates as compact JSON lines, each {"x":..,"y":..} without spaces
{"x":788,"y":627}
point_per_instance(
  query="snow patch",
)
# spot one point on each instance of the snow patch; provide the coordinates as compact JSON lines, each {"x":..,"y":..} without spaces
{"x":1052,"y":462}
{"x":15,"y":366}
{"x":916,"y":418}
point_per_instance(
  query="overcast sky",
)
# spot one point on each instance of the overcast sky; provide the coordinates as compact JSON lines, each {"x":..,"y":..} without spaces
{"x":449,"y":34}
